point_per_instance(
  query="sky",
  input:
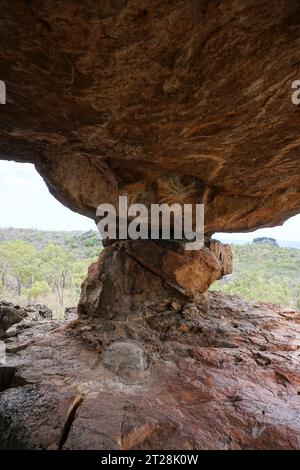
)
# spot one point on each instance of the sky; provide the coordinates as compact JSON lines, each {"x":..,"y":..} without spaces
{"x":25,"y":202}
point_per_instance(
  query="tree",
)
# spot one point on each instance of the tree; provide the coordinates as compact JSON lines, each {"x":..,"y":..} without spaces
{"x":79,"y":273}
{"x":56,"y":266}
{"x":18,"y":259}
{"x":37,"y":289}
{"x":266,"y":273}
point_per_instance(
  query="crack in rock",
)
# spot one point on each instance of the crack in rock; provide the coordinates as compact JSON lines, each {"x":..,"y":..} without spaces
{"x":78,"y":400}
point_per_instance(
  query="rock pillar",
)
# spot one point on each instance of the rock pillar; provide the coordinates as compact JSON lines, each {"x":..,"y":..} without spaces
{"x":135,"y":276}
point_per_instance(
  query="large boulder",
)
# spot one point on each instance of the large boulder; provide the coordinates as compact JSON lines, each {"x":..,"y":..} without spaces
{"x":135,"y":275}
{"x":9,"y":315}
{"x":38,"y":312}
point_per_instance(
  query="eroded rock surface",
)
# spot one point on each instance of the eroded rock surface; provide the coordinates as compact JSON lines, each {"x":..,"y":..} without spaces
{"x":70,"y":313}
{"x":10,"y":315}
{"x":163,"y":101}
{"x":14,"y":317}
{"x":227,"y":377}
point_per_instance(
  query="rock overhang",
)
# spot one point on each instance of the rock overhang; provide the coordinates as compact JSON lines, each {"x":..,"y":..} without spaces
{"x":184,"y":102}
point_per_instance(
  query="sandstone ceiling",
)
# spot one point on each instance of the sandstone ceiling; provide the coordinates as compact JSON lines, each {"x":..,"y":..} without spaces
{"x":165,"y":101}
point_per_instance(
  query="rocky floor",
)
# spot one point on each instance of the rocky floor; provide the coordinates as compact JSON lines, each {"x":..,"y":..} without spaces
{"x":181,"y":378}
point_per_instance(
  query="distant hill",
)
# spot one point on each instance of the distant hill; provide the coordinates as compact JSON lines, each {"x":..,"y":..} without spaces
{"x":82,"y":243}
{"x":271,"y":241}
{"x":282,"y":243}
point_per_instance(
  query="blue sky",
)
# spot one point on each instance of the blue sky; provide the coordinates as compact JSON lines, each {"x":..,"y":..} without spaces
{"x":25,"y":202}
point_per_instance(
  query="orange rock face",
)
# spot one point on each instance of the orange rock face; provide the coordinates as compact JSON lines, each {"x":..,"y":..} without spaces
{"x":181,"y":101}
